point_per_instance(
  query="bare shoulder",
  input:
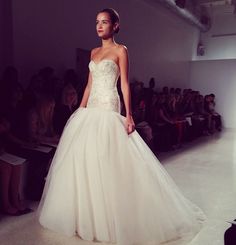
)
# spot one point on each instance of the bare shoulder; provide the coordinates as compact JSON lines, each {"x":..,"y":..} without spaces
{"x":122,"y":50}
{"x":94,"y":51}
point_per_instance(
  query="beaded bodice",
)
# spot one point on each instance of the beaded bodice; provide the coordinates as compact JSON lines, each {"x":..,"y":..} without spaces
{"x":104,"y":92}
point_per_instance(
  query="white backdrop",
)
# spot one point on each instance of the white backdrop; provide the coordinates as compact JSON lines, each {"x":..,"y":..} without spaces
{"x":48,"y":33}
{"x":218,"y":77}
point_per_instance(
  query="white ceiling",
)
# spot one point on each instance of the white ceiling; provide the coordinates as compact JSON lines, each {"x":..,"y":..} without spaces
{"x":215,"y":2}
{"x":219,"y":7}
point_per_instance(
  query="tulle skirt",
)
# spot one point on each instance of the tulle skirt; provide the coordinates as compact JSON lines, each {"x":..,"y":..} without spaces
{"x":108,"y":186}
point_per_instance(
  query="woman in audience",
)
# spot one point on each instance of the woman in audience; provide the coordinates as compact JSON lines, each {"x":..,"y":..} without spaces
{"x":40,"y":121}
{"x":71,"y":77}
{"x":63,"y":110}
{"x":149,"y":92}
{"x":174,"y":111}
{"x":155,"y":99}
{"x":163,"y":124}
{"x":142,"y":126}
{"x":48,"y":76}
{"x":10,"y":176}
{"x":17,"y":143}
{"x":40,"y":132}
{"x":137,"y":93}
{"x":14,"y":110}
{"x":215,"y":116}
{"x":14,"y":113}
{"x":165,"y":90}
{"x":34,"y":91}
{"x":188,"y":103}
{"x":207,"y":108}
{"x":201,"y":116}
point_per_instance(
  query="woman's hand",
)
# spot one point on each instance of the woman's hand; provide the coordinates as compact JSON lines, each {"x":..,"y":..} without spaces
{"x":129,"y":124}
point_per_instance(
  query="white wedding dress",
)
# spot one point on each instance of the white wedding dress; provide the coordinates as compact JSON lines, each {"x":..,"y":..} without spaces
{"x":105,"y":185}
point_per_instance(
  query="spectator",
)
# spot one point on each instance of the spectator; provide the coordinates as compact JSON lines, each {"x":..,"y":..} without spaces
{"x":63,"y":110}
{"x":70,"y":77}
{"x":10,"y":176}
{"x":163,"y":126}
{"x":165,"y":90}
{"x":142,"y":125}
{"x":40,"y":121}
{"x":215,"y":116}
{"x":148,"y":99}
{"x":201,"y":116}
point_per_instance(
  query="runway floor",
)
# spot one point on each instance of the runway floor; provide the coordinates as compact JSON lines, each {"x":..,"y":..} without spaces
{"x":205,"y":171}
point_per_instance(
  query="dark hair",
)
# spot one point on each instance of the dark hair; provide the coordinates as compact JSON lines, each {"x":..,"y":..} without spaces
{"x":114,"y":16}
{"x":152,"y":82}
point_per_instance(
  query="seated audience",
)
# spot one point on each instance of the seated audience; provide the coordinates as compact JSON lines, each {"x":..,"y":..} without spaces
{"x":163,"y":124}
{"x":215,"y":116}
{"x":148,"y":93}
{"x":175,"y":113}
{"x":71,"y":77}
{"x":142,"y":126}
{"x":201,"y":117}
{"x":10,"y":177}
{"x":40,"y":121}
{"x":64,"y":108}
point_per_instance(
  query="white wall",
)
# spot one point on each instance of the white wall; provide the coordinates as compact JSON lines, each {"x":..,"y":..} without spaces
{"x":218,"y":77}
{"x":218,"y":48}
{"x":48,"y":33}
{"x":215,"y":71}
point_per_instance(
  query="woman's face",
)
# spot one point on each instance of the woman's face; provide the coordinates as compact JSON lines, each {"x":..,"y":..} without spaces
{"x":104,"y":26}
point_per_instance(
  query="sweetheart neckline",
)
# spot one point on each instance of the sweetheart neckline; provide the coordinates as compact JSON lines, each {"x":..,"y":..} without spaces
{"x":97,"y":63}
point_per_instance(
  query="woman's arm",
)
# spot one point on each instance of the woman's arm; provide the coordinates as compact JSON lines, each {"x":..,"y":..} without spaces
{"x":125,"y":88}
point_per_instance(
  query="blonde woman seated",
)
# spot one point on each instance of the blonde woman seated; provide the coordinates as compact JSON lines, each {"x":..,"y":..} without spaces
{"x":40,"y":122}
{"x":66,"y":106}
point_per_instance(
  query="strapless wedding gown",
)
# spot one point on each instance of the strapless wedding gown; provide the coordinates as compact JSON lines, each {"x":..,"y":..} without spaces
{"x":105,"y":185}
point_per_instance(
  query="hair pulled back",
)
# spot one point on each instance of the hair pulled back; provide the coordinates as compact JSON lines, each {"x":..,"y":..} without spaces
{"x":114,"y":16}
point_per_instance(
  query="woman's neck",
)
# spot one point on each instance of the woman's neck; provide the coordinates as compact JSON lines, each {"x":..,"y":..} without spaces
{"x":107,"y":43}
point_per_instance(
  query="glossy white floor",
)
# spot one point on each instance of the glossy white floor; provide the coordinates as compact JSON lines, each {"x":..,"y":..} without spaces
{"x":205,"y":170}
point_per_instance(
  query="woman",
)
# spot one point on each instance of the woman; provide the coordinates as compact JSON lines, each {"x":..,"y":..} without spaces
{"x":40,"y":131}
{"x":40,"y":121}
{"x":114,"y":189}
{"x":10,"y":177}
{"x":64,"y":108}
